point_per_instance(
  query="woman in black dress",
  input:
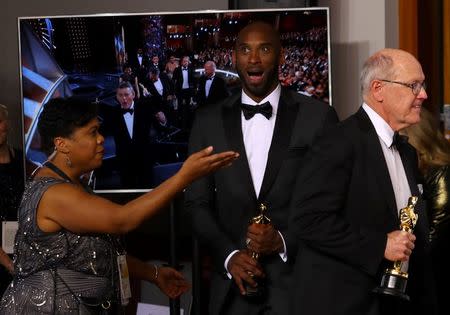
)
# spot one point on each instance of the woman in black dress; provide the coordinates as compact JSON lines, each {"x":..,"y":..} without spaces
{"x":434,"y":161}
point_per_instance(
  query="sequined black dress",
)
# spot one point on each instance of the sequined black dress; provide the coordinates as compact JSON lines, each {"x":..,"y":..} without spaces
{"x":437,"y":193}
{"x":58,"y":273}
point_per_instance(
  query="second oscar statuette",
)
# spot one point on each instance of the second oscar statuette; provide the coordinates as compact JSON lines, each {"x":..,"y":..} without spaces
{"x":259,"y":289}
{"x":394,"y":280}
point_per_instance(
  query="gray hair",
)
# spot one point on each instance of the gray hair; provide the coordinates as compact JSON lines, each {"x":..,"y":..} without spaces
{"x":212,"y":63}
{"x":378,"y":66}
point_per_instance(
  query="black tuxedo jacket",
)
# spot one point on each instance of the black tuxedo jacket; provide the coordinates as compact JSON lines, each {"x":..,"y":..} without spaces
{"x":134,"y":61}
{"x":217,"y":92}
{"x":167,"y":87}
{"x":343,"y":208}
{"x":178,"y":78}
{"x":132,"y":154}
{"x":222,"y":204}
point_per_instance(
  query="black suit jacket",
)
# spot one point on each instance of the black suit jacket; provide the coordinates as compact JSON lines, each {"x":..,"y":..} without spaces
{"x":140,"y":69}
{"x":132,"y":154}
{"x":343,"y":208}
{"x":178,"y":78}
{"x":134,"y":61}
{"x":222,"y":204}
{"x":217,"y":92}
{"x":167,"y":88}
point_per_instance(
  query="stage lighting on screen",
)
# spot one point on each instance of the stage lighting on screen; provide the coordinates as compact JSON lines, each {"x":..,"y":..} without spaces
{"x":86,"y":56}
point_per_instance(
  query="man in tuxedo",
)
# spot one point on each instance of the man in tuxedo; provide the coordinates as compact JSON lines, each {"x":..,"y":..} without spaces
{"x":272,"y":129}
{"x":345,"y":212}
{"x":211,"y":88}
{"x":183,"y":78}
{"x":130,"y":126}
{"x":159,"y":90}
{"x":155,"y":63}
{"x":140,"y":63}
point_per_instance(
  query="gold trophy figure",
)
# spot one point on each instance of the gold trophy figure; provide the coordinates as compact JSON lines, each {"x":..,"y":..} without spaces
{"x":259,"y":219}
{"x":394,"y":280}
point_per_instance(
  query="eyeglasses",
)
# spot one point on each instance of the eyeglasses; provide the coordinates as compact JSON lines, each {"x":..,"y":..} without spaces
{"x":416,"y":87}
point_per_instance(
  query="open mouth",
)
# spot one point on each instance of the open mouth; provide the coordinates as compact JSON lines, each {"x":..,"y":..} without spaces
{"x":255,"y":76}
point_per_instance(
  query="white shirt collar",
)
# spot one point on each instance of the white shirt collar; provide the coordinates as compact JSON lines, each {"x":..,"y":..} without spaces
{"x":384,"y":131}
{"x":131,"y":107}
{"x":273,"y":98}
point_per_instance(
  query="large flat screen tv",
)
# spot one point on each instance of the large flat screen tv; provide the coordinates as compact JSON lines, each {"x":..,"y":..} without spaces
{"x":87,"y":56}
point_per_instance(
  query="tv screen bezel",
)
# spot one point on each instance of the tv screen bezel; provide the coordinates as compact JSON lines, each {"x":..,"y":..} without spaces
{"x":141,"y":14}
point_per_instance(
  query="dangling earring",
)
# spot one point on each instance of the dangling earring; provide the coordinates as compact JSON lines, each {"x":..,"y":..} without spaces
{"x":68,"y":161}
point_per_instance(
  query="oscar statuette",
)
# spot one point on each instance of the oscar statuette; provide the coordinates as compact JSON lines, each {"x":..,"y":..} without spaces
{"x":394,"y":280}
{"x":259,"y":289}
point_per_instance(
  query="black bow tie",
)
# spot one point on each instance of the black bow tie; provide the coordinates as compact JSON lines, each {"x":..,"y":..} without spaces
{"x":263,"y":109}
{"x":184,"y":69}
{"x":127,"y":110}
{"x":210,"y":78}
{"x":398,"y":140}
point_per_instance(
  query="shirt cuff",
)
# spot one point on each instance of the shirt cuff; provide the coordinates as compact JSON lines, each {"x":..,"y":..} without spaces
{"x":226,"y":263}
{"x":283,"y":254}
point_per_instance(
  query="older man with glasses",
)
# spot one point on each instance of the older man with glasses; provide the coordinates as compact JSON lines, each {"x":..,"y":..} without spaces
{"x":345,"y":212}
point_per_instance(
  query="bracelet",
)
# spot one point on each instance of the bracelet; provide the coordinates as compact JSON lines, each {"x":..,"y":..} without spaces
{"x":156,"y":272}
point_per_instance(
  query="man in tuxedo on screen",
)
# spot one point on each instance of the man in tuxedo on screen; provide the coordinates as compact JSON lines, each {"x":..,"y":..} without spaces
{"x":345,"y":211}
{"x":130,"y":125}
{"x":211,"y":88}
{"x":183,"y":78}
{"x":140,"y":63}
{"x":156,"y":64}
{"x":159,"y":91}
{"x":272,"y":128}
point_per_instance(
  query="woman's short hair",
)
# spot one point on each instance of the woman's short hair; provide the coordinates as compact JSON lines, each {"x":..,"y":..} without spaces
{"x":61,"y":117}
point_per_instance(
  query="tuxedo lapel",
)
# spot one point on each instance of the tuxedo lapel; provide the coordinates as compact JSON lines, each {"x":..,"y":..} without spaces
{"x":233,"y":133}
{"x":211,"y":90}
{"x":123,"y":125}
{"x":408,"y":165}
{"x":407,"y":155}
{"x":284,"y":124}
{"x":203,"y":88}
{"x":378,"y":162}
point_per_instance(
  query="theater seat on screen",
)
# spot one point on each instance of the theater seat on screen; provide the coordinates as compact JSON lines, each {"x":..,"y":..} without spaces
{"x":164,"y":171}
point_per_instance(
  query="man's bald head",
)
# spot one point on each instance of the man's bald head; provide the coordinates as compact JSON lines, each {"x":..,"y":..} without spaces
{"x":386,"y":63}
{"x":393,"y":84}
{"x":272,"y":34}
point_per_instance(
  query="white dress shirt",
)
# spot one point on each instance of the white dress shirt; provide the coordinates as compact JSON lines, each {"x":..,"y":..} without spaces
{"x":208,"y":83}
{"x":159,"y":87}
{"x":393,"y":160}
{"x":257,"y":133}
{"x":129,"y":121}
{"x":185,"y":74}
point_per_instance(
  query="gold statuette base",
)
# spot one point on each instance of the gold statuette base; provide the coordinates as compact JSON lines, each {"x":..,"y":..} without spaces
{"x":394,"y":283}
